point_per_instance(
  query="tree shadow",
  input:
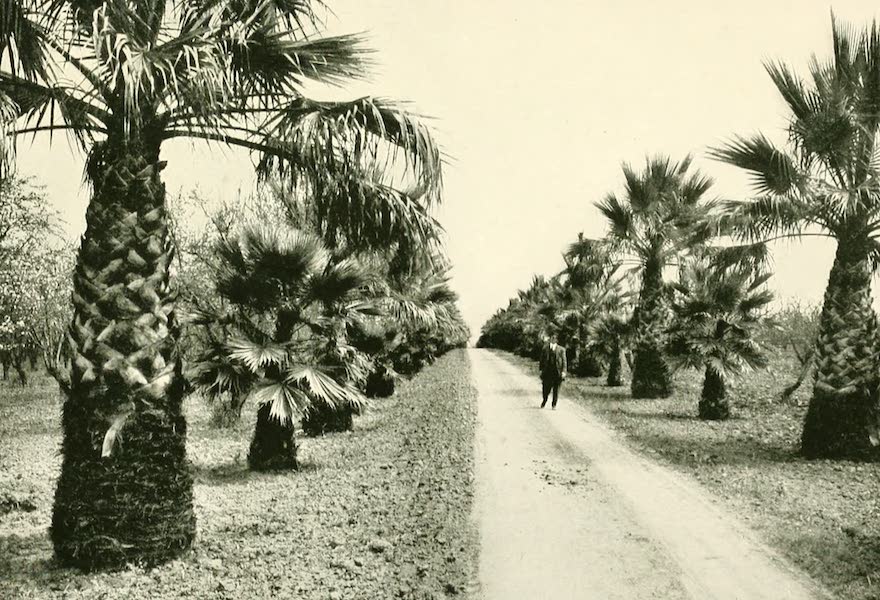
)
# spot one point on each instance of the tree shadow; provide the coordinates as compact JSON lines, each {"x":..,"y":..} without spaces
{"x":669,"y":416}
{"x":617,"y":393}
{"x":222,"y":474}
{"x":690,"y":450}
{"x":521,"y":393}
{"x":28,"y":562}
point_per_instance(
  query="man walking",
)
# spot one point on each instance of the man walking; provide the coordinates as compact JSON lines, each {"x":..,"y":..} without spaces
{"x":553,"y":365}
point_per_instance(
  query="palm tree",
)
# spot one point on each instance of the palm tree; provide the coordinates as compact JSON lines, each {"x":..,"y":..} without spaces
{"x":589,"y":290}
{"x":581,"y":308}
{"x":657,"y":221}
{"x":826,"y":183}
{"x":121,"y":78}
{"x":717,"y":309}
{"x":608,"y":334}
{"x":287,"y":350}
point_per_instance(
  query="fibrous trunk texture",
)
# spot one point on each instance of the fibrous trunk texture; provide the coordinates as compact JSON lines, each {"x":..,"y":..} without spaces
{"x":124,"y":494}
{"x":651,"y":376}
{"x":842,"y":418}
{"x":614,"y":378}
{"x":713,"y":401}
{"x":323,"y":419}
{"x":273,"y":446}
{"x":588,"y":364}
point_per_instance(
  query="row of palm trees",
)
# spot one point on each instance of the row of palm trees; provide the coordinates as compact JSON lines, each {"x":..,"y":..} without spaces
{"x":614,"y":293}
{"x":823,"y":181}
{"x":120,"y":79}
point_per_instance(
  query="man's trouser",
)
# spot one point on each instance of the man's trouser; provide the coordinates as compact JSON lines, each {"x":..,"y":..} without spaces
{"x":548,"y":385}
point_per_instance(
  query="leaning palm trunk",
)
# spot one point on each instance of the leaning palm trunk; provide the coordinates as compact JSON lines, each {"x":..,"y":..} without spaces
{"x":713,"y":401}
{"x":842,"y":418}
{"x":125,"y":491}
{"x":651,"y":376}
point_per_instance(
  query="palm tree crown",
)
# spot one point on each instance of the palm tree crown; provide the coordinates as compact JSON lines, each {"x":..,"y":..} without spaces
{"x":229,"y":72}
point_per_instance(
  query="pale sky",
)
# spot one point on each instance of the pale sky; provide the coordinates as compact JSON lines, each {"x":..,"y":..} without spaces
{"x":539,"y":103}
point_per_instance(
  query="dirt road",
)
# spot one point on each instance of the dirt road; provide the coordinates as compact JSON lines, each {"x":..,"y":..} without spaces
{"x":567,"y":511}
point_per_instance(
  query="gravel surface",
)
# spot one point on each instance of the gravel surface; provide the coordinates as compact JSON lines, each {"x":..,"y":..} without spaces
{"x":380,"y":512}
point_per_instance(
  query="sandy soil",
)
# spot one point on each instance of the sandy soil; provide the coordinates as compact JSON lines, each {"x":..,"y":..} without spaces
{"x":566,"y":510}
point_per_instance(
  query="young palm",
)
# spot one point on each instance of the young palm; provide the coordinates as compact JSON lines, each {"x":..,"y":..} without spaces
{"x":608,"y":335}
{"x":121,"y":78}
{"x":717,"y":308}
{"x":652,"y":226}
{"x":826,"y":183}
{"x":287,"y":350}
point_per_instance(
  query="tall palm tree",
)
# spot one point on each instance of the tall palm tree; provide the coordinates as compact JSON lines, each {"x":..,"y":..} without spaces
{"x":826,"y":183}
{"x":121,"y":78}
{"x":658,"y":219}
{"x":717,"y":308}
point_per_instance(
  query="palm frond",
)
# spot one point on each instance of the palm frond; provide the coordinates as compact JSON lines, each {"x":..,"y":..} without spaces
{"x":620,"y":217}
{"x":337,"y":281}
{"x":758,"y":219}
{"x":285,"y":399}
{"x":362,"y":135}
{"x":256,"y":356}
{"x":21,"y":41}
{"x":772,"y":171}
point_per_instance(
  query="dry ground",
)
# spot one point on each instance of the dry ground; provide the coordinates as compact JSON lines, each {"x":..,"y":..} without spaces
{"x":381,"y":512}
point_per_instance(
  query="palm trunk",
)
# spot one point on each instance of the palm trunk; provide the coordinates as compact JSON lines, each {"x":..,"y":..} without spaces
{"x":588,"y":365}
{"x":842,"y":418}
{"x":614,"y":378}
{"x":713,"y":401}
{"x":124,"y":494}
{"x":651,"y":376}
{"x":273,"y":446}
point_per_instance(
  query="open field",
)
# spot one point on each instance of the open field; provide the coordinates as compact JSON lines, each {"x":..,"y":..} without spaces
{"x":823,"y":515}
{"x":381,"y":512}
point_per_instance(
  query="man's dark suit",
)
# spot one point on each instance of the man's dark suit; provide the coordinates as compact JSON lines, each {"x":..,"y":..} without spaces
{"x":553,"y":365}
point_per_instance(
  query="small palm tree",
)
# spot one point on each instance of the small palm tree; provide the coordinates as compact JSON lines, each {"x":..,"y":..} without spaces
{"x":826,"y":183}
{"x":608,"y":335}
{"x":659,"y":219}
{"x":287,"y":348}
{"x":717,"y":309}
{"x":122,"y":78}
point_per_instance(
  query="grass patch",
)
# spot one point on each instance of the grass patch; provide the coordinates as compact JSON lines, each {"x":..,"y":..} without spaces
{"x":379,"y":512}
{"x":822,"y":515}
